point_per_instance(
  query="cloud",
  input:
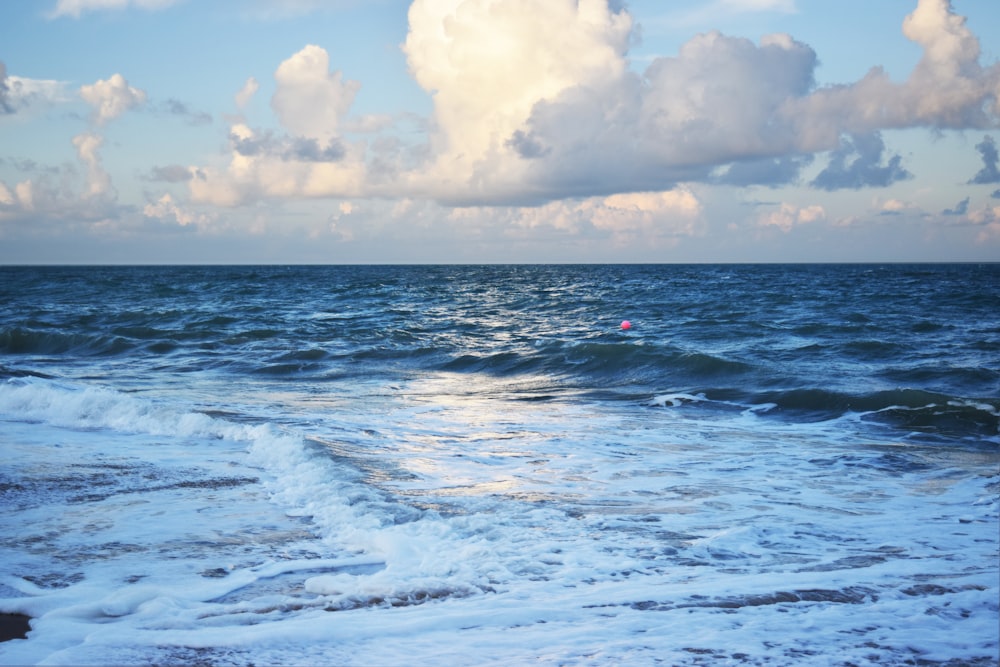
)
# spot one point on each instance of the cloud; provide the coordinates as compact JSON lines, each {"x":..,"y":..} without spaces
{"x":989,"y":173}
{"x":894,"y":207}
{"x":487,"y":64}
{"x":789,"y":216}
{"x":60,"y":194}
{"x":173,"y":173}
{"x":535,"y":101}
{"x":98,"y":180}
{"x":262,"y":166}
{"x":659,"y":218}
{"x":75,"y":8}
{"x":305,"y":149}
{"x":772,"y":171}
{"x":6,"y":105}
{"x":6,"y":197}
{"x":866,"y":168}
{"x":312,"y":160}
{"x":246,"y":93}
{"x":167,"y":210}
{"x":948,"y":88}
{"x":985,"y":221}
{"x":111,"y":98}
{"x":961,"y":208}
{"x":672,"y":213}
{"x":180,"y":109}
{"x":537,"y":105}
{"x":19,"y":200}
{"x":18,"y":93}
{"x":310,"y":100}
{"x":988,"y":220}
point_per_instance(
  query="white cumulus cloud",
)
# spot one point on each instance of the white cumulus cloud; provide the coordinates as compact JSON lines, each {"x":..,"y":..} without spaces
{"x":262,"y":167}
{"x":533,"y":101}
{"x":247,"y":92}
{"x":111,"y":97}
{"x":487,"y":63}
{"x":98,"y":179}
{"x":18,"y":93}
{"x":789,"y":216}
{"x":310,"y":100}
{"x":165,"y":208}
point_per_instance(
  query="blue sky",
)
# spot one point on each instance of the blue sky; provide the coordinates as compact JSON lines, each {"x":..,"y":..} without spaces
{"x":342,"y":131}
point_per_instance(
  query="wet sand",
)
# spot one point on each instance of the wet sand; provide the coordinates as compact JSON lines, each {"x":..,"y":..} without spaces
{"x":13,"y":626}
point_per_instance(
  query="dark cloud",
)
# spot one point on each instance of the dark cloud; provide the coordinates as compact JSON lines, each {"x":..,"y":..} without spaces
{"x":865,"y":169}
{"x":767,"y":171}
{"x":308,"y":149}
{"x":192,"y":117}
{"x":302,"y":149}
{"x":526,"y":145}
{"x":989,"y":173}
{"x":6,"y":106}
{"x":961,"y":208}
{"x":173,"y":173}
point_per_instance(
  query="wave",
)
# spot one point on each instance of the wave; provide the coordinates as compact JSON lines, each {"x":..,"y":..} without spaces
{"x":23,"y":340}
{"x":415,"y":554}
{"x":912,"y":412}
{"x":298,"y":469}
{"x":603,"y":362}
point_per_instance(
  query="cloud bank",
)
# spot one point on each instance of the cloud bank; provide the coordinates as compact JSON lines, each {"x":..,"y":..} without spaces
{"x":61,"y":193}
{"x":535,"y":101}
{"x":541,"y":129}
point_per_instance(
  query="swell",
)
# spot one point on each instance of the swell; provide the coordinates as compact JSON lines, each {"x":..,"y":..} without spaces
{"x":911,"y":413}
{"x":26,"y":341}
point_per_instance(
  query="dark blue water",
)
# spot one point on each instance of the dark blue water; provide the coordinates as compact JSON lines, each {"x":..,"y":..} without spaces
{"x":812,"y":341}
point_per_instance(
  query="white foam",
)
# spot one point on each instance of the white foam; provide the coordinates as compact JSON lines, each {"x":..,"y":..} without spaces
{"x":677,"y":399}
{"x":473,"y":529}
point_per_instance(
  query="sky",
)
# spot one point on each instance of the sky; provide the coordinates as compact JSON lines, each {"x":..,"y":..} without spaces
{"x":480,"y":131}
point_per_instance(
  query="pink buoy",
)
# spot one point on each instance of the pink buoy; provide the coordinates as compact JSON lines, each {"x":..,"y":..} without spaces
{"x":626,"y":324}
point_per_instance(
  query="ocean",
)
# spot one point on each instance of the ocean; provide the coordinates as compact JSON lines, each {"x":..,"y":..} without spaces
{"x":478,"y":465}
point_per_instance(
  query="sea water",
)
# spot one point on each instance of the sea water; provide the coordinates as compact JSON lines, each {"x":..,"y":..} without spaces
{"x":475,"y":465}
